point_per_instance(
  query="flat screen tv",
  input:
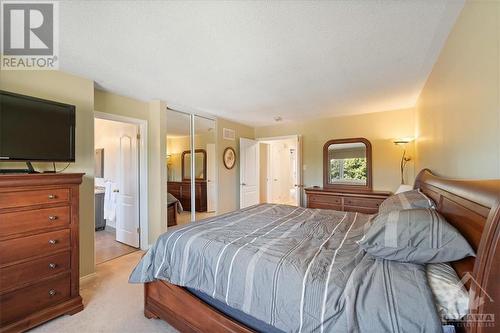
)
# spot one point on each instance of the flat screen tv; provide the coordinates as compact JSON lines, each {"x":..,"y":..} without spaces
{"x":33,"y":129}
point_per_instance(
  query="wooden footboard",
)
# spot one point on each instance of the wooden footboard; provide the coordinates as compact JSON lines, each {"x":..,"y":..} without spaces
{"x":184,"y":311}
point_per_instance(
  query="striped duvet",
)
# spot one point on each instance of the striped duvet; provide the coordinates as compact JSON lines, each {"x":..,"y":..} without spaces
{"x":300,"y":270}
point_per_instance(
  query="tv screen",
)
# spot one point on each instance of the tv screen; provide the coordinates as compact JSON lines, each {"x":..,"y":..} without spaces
{"x":33,"y":129}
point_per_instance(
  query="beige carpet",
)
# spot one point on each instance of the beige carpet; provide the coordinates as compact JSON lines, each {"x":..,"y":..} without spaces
{"x":111,"y":303}
{"x":185,"y":217}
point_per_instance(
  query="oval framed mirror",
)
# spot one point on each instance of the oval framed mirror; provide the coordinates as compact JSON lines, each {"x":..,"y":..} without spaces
{"x":347,"y":164}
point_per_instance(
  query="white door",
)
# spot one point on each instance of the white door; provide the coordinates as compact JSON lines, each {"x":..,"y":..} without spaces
{"x":278,"y":172}
{"x":298,"y":172}
{"x":211,"y":181}
{"x":249,"y":172}
{"x":127,"y":200}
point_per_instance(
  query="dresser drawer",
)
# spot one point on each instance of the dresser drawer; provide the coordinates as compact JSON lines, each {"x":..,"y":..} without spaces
{"x":175,"y":192}
{"x":26,"y":247}
{"x":328,"y":199}
{"x":362,"y":202}
{"x":322,"y":205}
{"x":17,"y":275}
{"x":33,"y":220}
{"x":34,"y":197}
{"x":20,"y":303}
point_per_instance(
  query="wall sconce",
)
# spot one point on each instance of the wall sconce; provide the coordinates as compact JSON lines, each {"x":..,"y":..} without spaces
{"x":402,"y":142}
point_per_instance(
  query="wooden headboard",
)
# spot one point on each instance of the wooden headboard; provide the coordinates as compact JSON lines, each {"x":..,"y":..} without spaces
{"x":473,"y":207}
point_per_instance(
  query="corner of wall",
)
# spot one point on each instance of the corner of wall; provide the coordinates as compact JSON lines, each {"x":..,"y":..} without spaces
{"x":157,"y":169}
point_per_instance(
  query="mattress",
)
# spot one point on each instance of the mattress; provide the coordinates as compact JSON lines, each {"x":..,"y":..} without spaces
{"x":240,"y":316}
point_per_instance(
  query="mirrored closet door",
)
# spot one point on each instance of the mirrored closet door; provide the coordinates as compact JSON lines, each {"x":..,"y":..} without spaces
{"x":191,"y":168}
{"x":205,"y":167}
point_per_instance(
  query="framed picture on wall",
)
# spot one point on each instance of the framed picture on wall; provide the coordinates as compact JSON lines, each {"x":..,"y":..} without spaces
{"x":229,"y":158}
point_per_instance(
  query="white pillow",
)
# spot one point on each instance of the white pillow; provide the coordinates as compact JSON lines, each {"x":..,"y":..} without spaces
{"x":451,"y":297}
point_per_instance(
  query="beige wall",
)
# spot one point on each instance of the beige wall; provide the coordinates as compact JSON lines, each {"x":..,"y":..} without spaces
{"x":66,"y":88}
{"x":379,"y":128}
{"x":229,"y":180}
{"x":120,"y":105}
{"x":458,"y":112}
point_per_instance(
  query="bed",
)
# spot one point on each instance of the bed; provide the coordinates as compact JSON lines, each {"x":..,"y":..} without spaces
{"x":195,"y":300}
{"x":174,"y":207}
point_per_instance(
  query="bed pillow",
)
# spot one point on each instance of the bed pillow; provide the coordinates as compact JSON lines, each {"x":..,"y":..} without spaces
{"x":389,"y":296}
{"x":450,"y":295}
{"x":406,"y":200}
{"x":415,"y":235}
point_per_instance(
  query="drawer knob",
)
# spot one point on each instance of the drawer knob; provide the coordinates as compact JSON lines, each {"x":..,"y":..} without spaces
{"x":52,"y":265}
{"x":52,"y":292}
{"x":52,"y":241}
{"x":52,"y":196}
{"x":52,"y":218}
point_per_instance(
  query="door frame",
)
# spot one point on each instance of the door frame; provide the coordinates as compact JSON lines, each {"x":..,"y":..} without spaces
{"x":143,"y":171}
{"x":300,"y":177}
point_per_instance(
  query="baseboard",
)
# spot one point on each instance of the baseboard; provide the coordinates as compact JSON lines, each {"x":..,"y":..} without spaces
{"x":88,"y":276}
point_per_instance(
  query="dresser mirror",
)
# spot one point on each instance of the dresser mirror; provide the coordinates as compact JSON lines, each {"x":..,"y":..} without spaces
{"x":200,"y":156}
{"x":347,"y":164}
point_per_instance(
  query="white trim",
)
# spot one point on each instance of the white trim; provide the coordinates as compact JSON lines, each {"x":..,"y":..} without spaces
{"x":143,"y":172}
{"x":300,"y":173}
{"x":88,"y":276}
{"x":192,"y":160}
{"x":276,"y":138}
{"x":269,"y":181}
{"x":217,"y":169}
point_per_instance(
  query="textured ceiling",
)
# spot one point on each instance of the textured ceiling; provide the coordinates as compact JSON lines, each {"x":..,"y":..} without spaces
{"x":252,"y":61}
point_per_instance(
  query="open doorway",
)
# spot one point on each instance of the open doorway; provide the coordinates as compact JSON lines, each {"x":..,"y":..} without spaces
{"x":117,"y":187}
{"x":280,"y":170}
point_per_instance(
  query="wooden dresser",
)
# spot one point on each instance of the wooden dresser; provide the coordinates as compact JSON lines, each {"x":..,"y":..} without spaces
{"x":353,"y":201}
{"x":182,"y":191}
{"x":39,"y":275}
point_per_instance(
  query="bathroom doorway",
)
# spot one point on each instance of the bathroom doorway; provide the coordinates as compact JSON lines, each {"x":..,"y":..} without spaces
{"x":117,"y":187}
{"x":280,"y":176}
